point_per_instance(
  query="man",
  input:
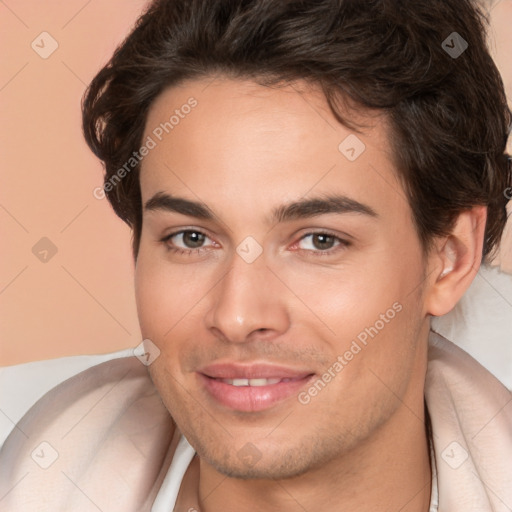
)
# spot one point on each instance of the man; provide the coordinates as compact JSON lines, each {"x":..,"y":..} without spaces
{"x":308,"y":183}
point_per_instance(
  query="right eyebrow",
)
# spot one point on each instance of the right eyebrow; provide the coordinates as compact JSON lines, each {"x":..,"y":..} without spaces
{"x":165,"y":202}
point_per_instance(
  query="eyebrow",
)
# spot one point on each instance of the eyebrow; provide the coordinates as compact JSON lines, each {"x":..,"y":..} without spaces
{"x":301,"y":209}
{"x":165,"y":202}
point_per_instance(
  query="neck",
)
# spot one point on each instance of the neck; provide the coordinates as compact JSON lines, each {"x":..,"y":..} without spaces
{"x":391,"y":471}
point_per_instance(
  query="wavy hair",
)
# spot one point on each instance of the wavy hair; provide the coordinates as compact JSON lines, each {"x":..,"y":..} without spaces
{"x":448,"y":114}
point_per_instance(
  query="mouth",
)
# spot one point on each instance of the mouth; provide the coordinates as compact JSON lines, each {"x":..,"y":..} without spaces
{"x":251,"y":388}
{"x":254,"y":382}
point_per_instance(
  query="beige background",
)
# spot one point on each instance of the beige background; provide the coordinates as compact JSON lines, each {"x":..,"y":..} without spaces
{"x":80,"y":300}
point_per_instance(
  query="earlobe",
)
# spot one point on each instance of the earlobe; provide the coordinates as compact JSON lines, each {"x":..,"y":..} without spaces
{"x":455,"y":261}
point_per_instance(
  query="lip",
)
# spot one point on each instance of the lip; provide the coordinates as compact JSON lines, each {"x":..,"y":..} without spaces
{"x":252,"y":398}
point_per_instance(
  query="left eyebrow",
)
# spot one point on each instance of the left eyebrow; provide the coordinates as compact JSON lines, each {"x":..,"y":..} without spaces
{"x":306,"y":208}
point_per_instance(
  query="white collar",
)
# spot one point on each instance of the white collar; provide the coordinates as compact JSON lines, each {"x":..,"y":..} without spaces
{"x":165,"y":500}
{"x":434,"y":495}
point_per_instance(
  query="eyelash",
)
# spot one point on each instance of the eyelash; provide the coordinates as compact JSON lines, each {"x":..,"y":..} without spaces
{"x":342,"y":244}
{"x":180,"y":250}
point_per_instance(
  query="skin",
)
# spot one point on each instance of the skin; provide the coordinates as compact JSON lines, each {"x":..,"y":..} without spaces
{"x":243,"y":151}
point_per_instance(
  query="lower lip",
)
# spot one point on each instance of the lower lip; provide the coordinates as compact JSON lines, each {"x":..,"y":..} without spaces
{"x":252,"y":398}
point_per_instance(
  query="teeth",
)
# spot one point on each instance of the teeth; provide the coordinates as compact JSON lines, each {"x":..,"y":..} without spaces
{"x":240,"y":382}
{"x":258,"y":382}
{"x":251,"y":382}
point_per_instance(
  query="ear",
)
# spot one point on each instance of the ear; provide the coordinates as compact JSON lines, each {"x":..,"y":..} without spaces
{"x":455,"y":260}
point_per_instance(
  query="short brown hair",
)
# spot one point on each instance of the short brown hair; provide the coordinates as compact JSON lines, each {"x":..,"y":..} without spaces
{"x":448,"y":113}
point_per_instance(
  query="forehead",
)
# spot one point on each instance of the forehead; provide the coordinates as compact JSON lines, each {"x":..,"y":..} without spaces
{"x":235,"y":142}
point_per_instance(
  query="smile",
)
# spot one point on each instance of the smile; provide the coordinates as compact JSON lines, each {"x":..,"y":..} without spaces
{"x":251,"y":388}
{"x":253,"y":382}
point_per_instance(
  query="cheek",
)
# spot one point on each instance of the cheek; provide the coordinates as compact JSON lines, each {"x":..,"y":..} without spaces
{"x":165,"y":295}
{"x":167,"y":310}
{"x":150,"y":298}
{"x":352,"y":297}
{"x":373,"y":313}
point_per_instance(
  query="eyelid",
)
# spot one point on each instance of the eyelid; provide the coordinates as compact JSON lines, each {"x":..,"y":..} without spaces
{"x":343,"y":241}
{"x":166,"y":239}
{"x":324,"y":231}
{"x":183,"y":229}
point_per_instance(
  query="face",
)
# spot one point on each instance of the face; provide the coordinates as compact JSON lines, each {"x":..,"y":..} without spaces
{"x":279,"y":275}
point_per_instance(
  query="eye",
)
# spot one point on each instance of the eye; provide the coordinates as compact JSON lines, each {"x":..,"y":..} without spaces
{"x":321,"y":243}
{"x":186,"y":241}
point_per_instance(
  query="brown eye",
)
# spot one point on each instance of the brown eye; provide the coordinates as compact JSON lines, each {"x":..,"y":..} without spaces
{"x":187,"y":239}
{"x":319,"y":242}
{"x":193,"y":239}
{"x":323,"y":241}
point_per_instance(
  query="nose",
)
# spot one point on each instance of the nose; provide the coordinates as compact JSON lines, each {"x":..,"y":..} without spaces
{"x":248,"y":302}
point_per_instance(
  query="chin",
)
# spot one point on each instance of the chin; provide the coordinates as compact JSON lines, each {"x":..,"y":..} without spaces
{"x":272,"y":470}
{"x":269,"y":462}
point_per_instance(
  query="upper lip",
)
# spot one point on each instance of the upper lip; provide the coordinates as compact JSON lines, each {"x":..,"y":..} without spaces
{"x":229,"y":370}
